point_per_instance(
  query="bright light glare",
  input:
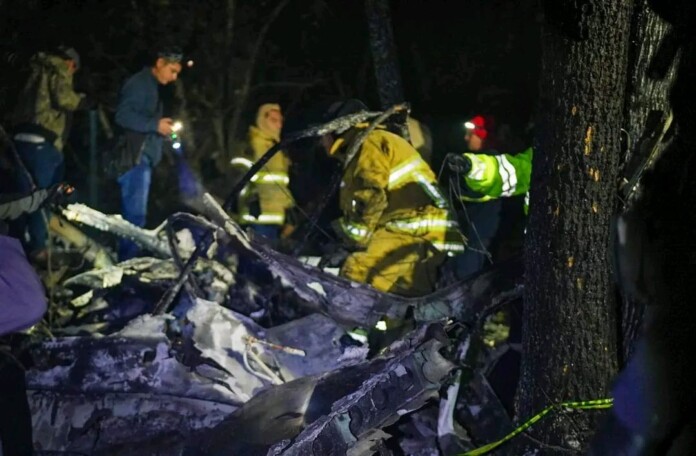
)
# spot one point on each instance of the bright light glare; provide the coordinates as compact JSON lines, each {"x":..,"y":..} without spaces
{"x":469,"y":125}
{"x":189,"y":63}
{"x":381,"y":325}
{"x":177,"y":126}
{"x":176,"y":145}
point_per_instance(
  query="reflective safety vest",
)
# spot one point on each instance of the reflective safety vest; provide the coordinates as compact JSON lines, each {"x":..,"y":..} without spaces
{"x":495,"y":176}
{"x":389,"y":186}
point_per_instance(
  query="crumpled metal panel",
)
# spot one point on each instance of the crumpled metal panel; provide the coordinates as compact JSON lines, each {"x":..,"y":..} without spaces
{"x":115,"y":423}
{"x":145,"y":382}
{"x":322,"y":340}
{"x":404,"y":385}
{"x":138,"y":359}
{"x":278,"y":414}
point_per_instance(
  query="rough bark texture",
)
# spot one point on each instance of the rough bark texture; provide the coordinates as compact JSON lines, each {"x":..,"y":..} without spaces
{"x":643,"y":95}
{"x":384,"y":57}
{"x":570,"y":329}
{"x":643,"y":92}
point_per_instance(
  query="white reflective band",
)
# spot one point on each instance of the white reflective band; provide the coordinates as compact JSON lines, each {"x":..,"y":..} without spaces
{"x":357,"y":232}
{"x":432,"y":191}
{"x":409,"y":172}
{"x":508,"y":174}
{"x":264,"y":218}
{"x":270,"y":178}
{"x":242,"y":161}
{"x":526,"y":199}
{"x":403,"y":170}
{"x":424,"y":223}
{"x":478,"y":168}
{"x":449,"y":246}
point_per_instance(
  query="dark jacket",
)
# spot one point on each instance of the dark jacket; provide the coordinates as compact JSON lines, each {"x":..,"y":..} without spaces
{"x":138,"y":113}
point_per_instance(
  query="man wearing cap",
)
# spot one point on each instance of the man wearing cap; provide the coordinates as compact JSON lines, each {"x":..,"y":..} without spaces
{"x":41,"y":120}
{"x":394,"y":219}
{"x":139,"y":114}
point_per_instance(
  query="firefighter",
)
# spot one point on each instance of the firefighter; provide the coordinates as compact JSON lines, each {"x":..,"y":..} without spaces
{"x":264,"y":202}
{"x":395,"y":221}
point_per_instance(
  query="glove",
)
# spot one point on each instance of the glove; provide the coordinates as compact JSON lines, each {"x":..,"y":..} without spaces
{"x":334,"y":258}
{"x":458,"y":163}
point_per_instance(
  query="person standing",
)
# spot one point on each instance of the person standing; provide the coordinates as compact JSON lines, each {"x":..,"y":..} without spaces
{"x":264,"y":202}
{"x":41,"y":126}
{"x":139,"y":114}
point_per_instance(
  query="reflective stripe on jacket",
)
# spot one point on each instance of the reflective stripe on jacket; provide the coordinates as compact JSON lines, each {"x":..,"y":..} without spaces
{"x":389,"y":186}
{"x":270,"y":184}
{"x":495,"y":176}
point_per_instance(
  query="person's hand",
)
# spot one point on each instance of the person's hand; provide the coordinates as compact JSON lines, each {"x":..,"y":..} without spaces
{"x":334,"y":258}
{"x":458,"y":163}
{"x":164,"y":127}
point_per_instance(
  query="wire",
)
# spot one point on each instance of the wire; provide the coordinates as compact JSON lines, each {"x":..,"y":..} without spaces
{"x":269,"y":375}
{"x":455,"y":188}
{"x":303,"y":212}
{"x":570,"y":405}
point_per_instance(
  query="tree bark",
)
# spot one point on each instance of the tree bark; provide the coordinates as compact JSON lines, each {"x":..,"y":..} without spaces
{"x":643,"y":95}
{"x":570,"y":327}
{"x":384,"y":56}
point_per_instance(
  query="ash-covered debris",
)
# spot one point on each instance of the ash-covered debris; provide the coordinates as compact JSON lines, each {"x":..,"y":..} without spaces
{"x":236,"y":348}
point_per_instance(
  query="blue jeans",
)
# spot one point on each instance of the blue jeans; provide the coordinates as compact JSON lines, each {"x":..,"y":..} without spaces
{"x":135,"y":189}
{"x":45,"y":164}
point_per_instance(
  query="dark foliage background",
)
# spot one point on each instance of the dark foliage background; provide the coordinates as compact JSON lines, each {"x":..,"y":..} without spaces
{"x":456,"y":57}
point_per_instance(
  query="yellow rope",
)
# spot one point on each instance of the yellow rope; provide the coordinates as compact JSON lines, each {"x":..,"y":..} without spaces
{"x":573,"y":405}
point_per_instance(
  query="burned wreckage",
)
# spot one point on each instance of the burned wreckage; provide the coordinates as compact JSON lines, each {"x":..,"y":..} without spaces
{"x":218,"y":344}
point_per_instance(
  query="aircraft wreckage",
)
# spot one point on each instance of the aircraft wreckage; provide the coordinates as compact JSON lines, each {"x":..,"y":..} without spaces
{"x":181,"y":353}
{"x":216,"y":344}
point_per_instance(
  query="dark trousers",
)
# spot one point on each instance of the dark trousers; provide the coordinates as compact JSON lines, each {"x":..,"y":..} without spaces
{"x":45,"y":165}
{"x":483,"y":222}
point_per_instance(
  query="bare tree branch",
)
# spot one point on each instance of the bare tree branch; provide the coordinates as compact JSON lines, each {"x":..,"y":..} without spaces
{"x":246,"y":85}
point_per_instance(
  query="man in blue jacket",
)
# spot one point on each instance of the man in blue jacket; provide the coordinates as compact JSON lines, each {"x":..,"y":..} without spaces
{"x":139,"y":113}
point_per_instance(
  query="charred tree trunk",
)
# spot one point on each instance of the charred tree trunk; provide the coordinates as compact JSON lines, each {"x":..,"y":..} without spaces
{"x":384,"y":56}
{"x":570,"y":327}
{"x":643,"y":95}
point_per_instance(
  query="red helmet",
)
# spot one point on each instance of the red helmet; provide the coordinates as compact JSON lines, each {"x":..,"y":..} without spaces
{"x":477,"y":126}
